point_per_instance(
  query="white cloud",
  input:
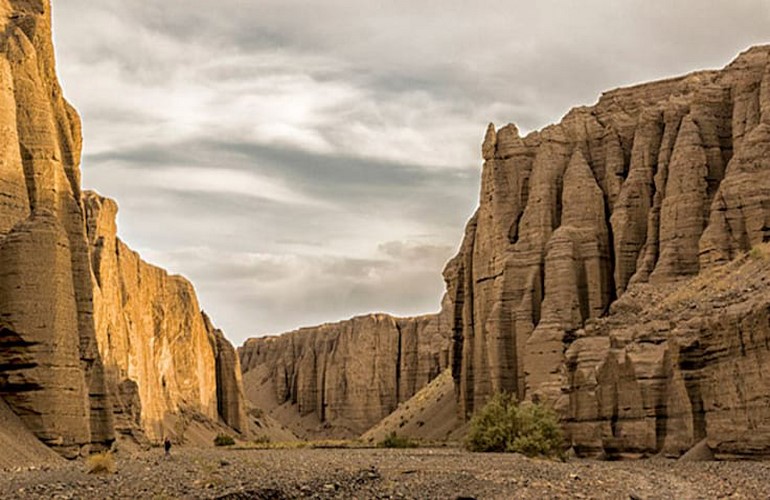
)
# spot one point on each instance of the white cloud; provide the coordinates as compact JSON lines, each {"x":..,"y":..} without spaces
{"x":377,"y":110}
{"x":226,"y":181}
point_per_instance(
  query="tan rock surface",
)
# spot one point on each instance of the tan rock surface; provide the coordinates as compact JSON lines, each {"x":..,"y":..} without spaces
{"x":654,"y":183}
{"x":337,"y":380}
{"x":57,"y":320}
{"x":231,"y":400}
{"x":674,"y":365}
{"x":91,"y":338}
{"x":20,"y":447}
{"x":430,"y":416}
{"x":152,"y":332}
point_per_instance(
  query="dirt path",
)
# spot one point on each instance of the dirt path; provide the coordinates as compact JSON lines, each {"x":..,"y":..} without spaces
{"x":369,"y":473}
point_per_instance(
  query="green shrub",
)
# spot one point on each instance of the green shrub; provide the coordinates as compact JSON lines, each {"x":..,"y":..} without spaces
{"x":502,"y":425}
{"x":262,"y":439}
{"x":393,"y":440}
{"x":223,"y":440}
{"x":756,"y":253}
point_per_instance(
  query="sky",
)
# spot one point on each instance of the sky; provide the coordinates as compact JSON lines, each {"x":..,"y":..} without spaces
{"x":302,"y":162}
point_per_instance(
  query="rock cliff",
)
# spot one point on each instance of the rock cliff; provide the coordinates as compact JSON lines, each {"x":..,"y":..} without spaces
{"x":154,"y":340}
{"x":674,"y":364}
{"x":340,"y":379}
{"x":646,"y":189}
{"x":90,"y":336}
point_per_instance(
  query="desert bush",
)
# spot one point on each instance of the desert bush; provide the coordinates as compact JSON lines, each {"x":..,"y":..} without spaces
{"x":393,"y":440}
{"x":503,"y":425}
{"x":101,"y":463}
{"x":223,"y":440}
{"x":262,"y":439}
{"x":756,"y":253}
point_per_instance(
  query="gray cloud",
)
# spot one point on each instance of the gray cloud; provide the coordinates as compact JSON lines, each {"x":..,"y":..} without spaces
{"x":305,"y":161}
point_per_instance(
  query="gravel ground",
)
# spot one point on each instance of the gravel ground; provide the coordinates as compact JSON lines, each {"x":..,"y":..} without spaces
{"x":442,"y":473}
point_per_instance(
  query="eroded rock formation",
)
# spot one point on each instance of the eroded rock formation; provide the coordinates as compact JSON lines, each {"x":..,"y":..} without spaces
{"x":651,"y":186}
{"x":51,"y":374}
{"x":340,"y":379}
{"x":677,"y":364}
{"x":91,"y":337}
{"x":151,"y":331}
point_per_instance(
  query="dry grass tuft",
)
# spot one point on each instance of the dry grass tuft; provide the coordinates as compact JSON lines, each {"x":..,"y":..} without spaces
{"x":101,"y":463}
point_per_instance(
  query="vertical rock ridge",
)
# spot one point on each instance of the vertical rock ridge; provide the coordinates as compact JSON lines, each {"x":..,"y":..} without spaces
{"x":656,"y":182}
{"x":343,"y":377}
{"x":72,"y":374}
{"x":684,"y":209}
{"x":40,"y":113}
{"x":231,"y":401}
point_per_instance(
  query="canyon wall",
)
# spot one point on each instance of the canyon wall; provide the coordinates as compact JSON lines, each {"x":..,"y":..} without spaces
{"x":340,"y":379}
{"x":90,"y":336}
{"x":153,"y":337}
{"x":651,"y":186}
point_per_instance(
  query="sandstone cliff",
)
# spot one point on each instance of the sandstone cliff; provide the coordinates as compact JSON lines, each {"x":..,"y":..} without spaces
{"x":90,"y":336}
{"x":675,"y":364}
{"x":340,"y":379}
{"x":51,"y":374}
{"x":650,"y":186}
{"x":162,"y":354}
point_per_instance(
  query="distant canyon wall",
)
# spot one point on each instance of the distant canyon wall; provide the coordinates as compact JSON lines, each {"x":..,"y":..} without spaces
{"x":653,"y":185}
{"x":344,"y":377}
{"x":85,"y":325}
{"x":604,"y":273}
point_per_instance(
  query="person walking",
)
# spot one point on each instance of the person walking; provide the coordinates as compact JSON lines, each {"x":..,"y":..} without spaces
{"x":167,"y":446}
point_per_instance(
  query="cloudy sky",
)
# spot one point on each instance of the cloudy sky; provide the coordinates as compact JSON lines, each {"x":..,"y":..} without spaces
{"x":305,"y":161}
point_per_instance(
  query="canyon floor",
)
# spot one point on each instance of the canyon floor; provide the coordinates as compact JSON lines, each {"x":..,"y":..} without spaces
{"x":425,"y":473}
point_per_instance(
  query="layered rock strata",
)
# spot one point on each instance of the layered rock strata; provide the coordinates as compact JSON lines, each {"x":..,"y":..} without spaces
{"x":91,"y":337}
{"x":655,"y":183}
{"x":51,"y":373}
{"x":675,"y":365}
{"x":346,"y":376}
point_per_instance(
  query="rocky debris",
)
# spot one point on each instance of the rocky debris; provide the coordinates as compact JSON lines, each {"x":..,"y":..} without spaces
{"x":92,"y":339}
{"x":339,"y":379}
{"x":655,"y":183}
{"x":698,"y":453}
{"x":387,"y":474}
{"x":430,"y":416}
{"x":20,"y":448}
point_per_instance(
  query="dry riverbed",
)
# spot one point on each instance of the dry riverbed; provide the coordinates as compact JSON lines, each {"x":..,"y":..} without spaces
{"x":441,"y":473}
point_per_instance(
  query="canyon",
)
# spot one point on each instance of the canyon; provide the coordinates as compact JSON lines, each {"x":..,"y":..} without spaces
{"x":95,"y":344}
{"x":604,"y":273}
{"x":616,"y":270}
